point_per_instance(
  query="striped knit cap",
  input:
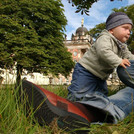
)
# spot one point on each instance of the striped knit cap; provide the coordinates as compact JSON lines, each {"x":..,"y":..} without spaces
{"x":116,"y":19}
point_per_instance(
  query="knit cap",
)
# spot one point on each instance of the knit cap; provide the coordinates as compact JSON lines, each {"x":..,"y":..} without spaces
{"x":116,"y":19}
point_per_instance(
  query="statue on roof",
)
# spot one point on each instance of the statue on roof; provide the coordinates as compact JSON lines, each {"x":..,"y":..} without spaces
{"x":82,"y":22}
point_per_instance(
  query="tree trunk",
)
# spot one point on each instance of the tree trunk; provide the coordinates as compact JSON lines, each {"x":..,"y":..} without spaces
{"x":19,"y":73}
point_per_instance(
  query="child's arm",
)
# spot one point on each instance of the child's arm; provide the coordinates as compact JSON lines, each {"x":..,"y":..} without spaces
{"x":124,"y":63}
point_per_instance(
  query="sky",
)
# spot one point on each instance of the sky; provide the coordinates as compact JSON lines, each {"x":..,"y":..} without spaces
{"x":98,"y":14}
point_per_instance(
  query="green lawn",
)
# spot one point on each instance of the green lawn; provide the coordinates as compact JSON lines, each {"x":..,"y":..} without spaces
{"x":13,"y":118}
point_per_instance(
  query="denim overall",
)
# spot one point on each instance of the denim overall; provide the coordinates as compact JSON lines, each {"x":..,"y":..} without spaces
{"x":90,"y":90}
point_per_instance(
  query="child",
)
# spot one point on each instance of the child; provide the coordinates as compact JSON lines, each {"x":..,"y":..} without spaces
{"x":109,"y":51}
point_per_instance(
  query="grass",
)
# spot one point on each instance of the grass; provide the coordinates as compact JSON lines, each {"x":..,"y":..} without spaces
{"x":123,"y":127}
{"x":13,"y":118}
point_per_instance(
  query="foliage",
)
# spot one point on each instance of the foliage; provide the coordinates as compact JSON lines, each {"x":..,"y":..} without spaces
{"x":94,"y":32}
{"x":32,"y":36}
{"x":83,"y":5}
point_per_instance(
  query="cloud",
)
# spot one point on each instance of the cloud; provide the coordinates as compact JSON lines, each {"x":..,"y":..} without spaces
{"x":69,"y":34}
{"x":130,"y":2}
{"x":97,"y":10}
{"x":74,"y":19}
{"x":98,"y":14}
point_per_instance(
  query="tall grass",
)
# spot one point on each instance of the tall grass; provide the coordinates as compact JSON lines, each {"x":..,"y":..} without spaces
{"x":13,"y":119}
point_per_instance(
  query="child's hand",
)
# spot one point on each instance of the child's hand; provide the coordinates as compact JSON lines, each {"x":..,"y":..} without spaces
{"x":124,"y":63}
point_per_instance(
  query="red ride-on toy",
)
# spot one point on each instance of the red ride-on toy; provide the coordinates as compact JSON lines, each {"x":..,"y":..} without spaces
{"x":47,"y":106}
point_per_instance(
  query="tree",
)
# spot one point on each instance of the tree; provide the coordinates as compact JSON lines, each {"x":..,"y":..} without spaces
{"x":94,"y":32}
{"x":83,"y":5}
{"x":31,"y":35}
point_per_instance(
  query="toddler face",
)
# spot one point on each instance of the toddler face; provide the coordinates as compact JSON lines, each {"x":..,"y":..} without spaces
{"x":122,"y":32}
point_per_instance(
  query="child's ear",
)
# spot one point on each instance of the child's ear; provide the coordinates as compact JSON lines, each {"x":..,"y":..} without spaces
{"x":110,"y":31}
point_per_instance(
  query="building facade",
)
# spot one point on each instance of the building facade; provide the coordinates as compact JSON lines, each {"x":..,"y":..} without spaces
{"x":80,"y":42}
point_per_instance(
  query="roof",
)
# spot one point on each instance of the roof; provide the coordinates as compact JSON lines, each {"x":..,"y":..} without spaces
{"x":80,"y":30}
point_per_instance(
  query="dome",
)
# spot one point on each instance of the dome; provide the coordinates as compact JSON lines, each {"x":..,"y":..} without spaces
{"x":81,"y":30}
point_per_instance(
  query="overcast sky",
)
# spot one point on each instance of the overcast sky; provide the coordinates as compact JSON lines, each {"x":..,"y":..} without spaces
{"x":98,"y":14}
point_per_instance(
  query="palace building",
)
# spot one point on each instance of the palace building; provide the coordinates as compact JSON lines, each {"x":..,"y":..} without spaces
{"x":80,"y":42}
